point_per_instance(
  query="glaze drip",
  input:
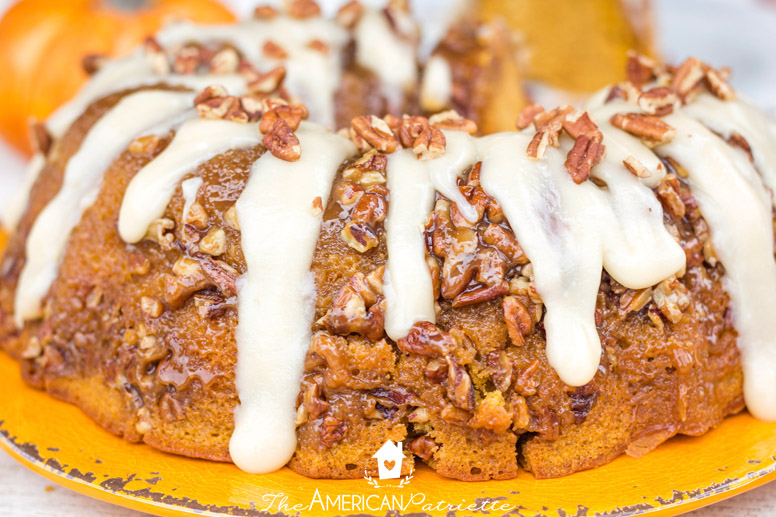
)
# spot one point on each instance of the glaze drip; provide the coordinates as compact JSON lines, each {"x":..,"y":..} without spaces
{"x":133,"y":116}
{"x":277,"y":295}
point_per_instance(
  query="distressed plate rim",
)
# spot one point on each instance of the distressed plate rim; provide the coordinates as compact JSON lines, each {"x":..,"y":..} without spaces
{"x":24,"y":435}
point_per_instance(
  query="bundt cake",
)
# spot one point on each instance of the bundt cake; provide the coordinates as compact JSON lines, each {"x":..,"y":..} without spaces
{"x":201,"y":265}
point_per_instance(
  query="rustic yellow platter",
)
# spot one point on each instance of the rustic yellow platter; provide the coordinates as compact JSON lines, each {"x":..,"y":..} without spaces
{"x":59,"y":442}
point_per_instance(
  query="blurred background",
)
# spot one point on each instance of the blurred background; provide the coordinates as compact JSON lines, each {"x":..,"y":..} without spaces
{"x":571,"y":47}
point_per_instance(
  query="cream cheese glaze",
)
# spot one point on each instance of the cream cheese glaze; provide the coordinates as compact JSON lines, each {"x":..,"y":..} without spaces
{"x":196,"y":142}
{"x":134,"y":115}
{"x":15,"y":207}
{"x":730,"y":196}
{"x":276,"y":295}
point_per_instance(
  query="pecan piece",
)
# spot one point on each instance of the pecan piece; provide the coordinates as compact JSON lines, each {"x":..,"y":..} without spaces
{"x":429,"y":144}
{"x":453,"y":121}
{"x":528,"y":115}
{"x":639,"y":69}
{"x":687,"y":77}
{"x":350,"y":13}
{"x":670,"y":198}
{"x":302,"y":9}
{"x":658,"y":101}
{"x":282,"y":142}
{"x":332,"y":431}
{"x":359,"y":236}
{"x":426,"y":339}
{"x":649,"y":128}
{"x":636,"y":167}
{"x":375,"y":132}
{"x":423,"y":447}
{"x":518,"y":320}
{"x":588,"y":150}
{"x":671,"y":297}
{"x":460,"y":389}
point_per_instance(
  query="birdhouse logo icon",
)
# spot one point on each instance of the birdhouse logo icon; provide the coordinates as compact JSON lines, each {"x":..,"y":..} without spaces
{"x":389,"y":458}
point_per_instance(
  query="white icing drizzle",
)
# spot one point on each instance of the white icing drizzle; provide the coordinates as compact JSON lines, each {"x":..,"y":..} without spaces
{"x":568,"y":231}
{"x":189,"y":188}
{"x":739,"y":116}
{"x":730,"y":198}
{"x":389,"y":55}
{"x":196,"y":142}
{"x":311,"y":74}
{"x":110,"y":135}
{"x":16,"y":206}
{"x":131,"y":72}
{"x":412,"y":182}
{"x":277,"y":294}
{"x":436,"y":89}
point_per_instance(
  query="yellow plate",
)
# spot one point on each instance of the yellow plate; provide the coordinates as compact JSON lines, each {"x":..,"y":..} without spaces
{"x":59,"y":442}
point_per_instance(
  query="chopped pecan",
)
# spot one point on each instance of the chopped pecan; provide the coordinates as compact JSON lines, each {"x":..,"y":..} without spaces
{"x":312,"y":401}
{"x":525,"y":383}
{"x":649,"y":128}
{"x":267,"y":82}
{"x":368,"y":170}
{"x":292,"y":115}
{"x":160,"y":232}
{"x":500,"y":369}
{"x":548,"y":127}
{"x":348,"y":193}
{"x":658,"y":101}
{"x":670,"y":198}
{"x":357,"y":308}
{"x":522,"y":417}
{"x":151,"y":306}
{"x":319,"y":45}
{"x":423,"y":447}
{"x":636,"y":167}
{"x":282,"y":142}
{"x":481,"y":294}
{"x":436,"y":370}
{"x":369,"y":209}
{"x":375,"y":132}
{"x":154,"y":52}
{"x":222,"y":275}
{"x":687,"y":77}
{"x":429,"y":144}
{"x":359,"y":236}
{"x":214,"y":243}
{"x":264,"y":12}
{"x":588,"y":150}
{"x":332,"y":431}
{"x":635,"y":300}
{"x":518,"y":320}
{"x":187,"y":59}
{"x":350,"y":13}
{"x":671,"y":297}
{"x":460,"y":389}
{"x":639,"y":69}
{"x":225,"y":61}
{"x":528,"y":115}
{"x":451,"y":120}
{"x":274,"y":51}
{"x":718,"y":85}
{"x":426,"y":339}
{"x":303,"y":9}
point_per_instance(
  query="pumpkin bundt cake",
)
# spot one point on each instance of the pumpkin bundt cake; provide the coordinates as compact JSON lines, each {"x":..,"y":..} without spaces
{"x":203,"y":266}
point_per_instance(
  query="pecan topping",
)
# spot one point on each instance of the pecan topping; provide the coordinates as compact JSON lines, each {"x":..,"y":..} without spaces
{"x":687,"y":77}
{"x":332,"y":431}
{"x":636,"y":167}
{"x":40,"y":137}
{"x":453,"y":121}
{"x":426,"y":339}
{"x":358,"y":308}
{"x":639,"y":69}
{"x":669,"y":196}
{"x":312,"y":401}
{"x":267,"y":82}
{"x":156,"y":55}
{"x":548,"y":127}
{"x":718,"y":84}
{"x":350,"y":13}
{"x":368,"y":170}
{"x":374,"y":132}
{"x":282,"y":142}
{"x":303,"y":9}
{"x":291,"y":115}
{"x":225,"y":61}
{"x":429,"y":144}
{"x":264,"y":12}
{"x":588,"y":149}
{"x":528,"y":115}
{"x":359,"y":236}
{"x":671,"y":297}
{"x":518,"y":320}
{"x":274,"y":51}
{"x":460,"y":389}
{"x":649,"y":128}
{"x":658,"y":101}
{"x":214,"y":103}
{"x":423,"y":447}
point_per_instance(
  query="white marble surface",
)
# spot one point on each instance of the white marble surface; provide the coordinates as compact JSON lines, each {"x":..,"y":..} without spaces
{"x":738,"y":33}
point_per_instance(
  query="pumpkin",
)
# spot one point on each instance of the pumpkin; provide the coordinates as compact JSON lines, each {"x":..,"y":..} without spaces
{"x":42,"y":44}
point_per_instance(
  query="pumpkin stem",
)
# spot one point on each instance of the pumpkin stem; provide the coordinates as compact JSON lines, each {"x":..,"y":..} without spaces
{"x":127,"y":5}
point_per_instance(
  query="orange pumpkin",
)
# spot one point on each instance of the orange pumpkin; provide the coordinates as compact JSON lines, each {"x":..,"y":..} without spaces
{"x":42,"y":43}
